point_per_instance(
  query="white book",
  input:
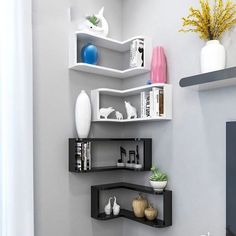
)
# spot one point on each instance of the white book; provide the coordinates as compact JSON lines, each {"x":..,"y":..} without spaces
{"x":89,"y":161}
{"x":143,"y":105}
{"x":151,"y":104}
{"x":85,"y":155}
{"x":156,"y":101}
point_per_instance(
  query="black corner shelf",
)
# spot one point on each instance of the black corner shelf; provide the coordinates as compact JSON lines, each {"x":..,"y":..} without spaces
{"x":167,"y":204}
{"x":211,"y":80}
{"x":147,"y":154}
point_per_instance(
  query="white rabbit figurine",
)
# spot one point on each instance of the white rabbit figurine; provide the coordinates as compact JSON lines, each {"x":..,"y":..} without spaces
{"x":116,"y":208}
{"x":108,"y":208}
{"x":131,"y":111}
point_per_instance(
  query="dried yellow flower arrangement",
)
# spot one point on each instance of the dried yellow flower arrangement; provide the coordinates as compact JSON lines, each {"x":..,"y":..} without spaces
{"x":210,"y":22}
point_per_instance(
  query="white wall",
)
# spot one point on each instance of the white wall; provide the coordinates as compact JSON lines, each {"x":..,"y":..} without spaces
{"x":191,"y":148}
{"x":62,"y":199}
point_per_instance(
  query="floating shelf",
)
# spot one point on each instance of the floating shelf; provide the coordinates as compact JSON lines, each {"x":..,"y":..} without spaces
{"x":113,"y":45}
{"x":145,"y":155}
{"x":167,"y":204}
{"x":211,"y":80}
{"x":133,"y":120}
{"x":96,"y":94}
{"x":105,"y":42}
{"x":109,"y":72}
{"x":108,"y":168}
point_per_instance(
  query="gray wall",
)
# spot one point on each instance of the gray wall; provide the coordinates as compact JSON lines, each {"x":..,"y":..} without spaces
{"x":191,"y":148}
{"x":62,"y":199}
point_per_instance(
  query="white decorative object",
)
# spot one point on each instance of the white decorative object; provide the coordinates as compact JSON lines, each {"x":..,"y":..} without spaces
{"x":158,"y":186}
{"x":101,"y":30}
{"x":120,"y":164}
{"x":138,"y":166}
{"x":83,"y":115}
{"x":212,"y":56}
{"x":137,"y":53}
{"x":130,"y":110}
{"x":107,"y":208}
{"x":116,"y":208}
{"x":105,"y":112}
{"x":119,"y":115}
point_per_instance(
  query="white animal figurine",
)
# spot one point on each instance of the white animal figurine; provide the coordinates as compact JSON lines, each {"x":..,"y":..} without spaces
{"x":105,"y":112}
{"x":116,"y":208}
{"x":119,"y":115}
{"x":107,"y":208}
{"x":101,"y":30}
{"x":130,"y":110}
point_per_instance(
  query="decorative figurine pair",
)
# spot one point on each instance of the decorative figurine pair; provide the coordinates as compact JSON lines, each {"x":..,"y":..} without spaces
{"x":133,"y":161}
{"x":108,"y":208}
{"x":130,"y":110}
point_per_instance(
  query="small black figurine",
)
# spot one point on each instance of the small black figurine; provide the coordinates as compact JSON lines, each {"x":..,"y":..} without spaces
{"x":129,"y":163}
{"x":138,"y":166}
{"x":120,"y":162}
{"x":137,"y":154}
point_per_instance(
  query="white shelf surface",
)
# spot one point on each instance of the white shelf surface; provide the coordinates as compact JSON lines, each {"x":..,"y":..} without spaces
{"x":130,"y":92}
{"x":95,"y":99}
{"x":112,"y":44}
{"x":134,"y":120}
{"x":109,"y":72}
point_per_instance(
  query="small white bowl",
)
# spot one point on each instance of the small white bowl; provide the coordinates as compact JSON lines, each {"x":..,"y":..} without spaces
{"x":158,"y":186}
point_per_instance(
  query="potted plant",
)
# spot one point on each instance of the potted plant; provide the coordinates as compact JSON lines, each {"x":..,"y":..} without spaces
{"x":211,"y":22}
{"x":158,"y":180}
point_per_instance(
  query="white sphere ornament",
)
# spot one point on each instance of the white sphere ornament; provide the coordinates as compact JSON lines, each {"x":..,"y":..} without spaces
{"x":213,"y":56}
{"x":83,"y":115}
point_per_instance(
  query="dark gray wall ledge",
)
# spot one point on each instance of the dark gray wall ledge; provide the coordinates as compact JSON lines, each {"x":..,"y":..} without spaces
{"x":211,"y":80}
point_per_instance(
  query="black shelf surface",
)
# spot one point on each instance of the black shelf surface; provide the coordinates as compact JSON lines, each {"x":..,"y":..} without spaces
{"x":108,"y":168}
{"x":220,"y":78}
{"x":146,"y":155}
{"x":134,"y":187}
{"x":130,"y":215}
{"x":110,"y":139}
{"x":167,"y":204}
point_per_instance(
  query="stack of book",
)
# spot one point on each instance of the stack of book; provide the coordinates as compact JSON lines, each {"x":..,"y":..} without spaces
{"x":152,"y":103}
{"x":83,"y":156}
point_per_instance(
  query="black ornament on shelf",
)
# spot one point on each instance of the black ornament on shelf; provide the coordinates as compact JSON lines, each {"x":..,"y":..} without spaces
{"x":137,"y":154}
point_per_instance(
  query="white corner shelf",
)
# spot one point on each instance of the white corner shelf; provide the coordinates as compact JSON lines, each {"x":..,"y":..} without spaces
{"x":109,"y":72}
{"x":95,"y":98}
{"x":134,"y":120}
{"x":105,"y":42}
{"x":113,"y":45}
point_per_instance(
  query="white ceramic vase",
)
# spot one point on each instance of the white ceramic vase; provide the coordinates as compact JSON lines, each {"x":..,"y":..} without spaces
{"x":83,"y":115}
{"x":158,"y":186}
{"x":213,"y":56}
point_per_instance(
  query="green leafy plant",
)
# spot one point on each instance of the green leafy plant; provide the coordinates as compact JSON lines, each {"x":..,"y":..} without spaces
{"x":93,"y":19}
{"x":157,"y":175}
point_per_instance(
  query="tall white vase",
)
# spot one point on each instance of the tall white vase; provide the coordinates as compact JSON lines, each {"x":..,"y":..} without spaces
{"x":83,"y":115}
{"x":212,"y":56}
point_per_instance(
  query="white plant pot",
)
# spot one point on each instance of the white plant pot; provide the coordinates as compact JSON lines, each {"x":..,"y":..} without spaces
{"x":212,"y":56}
{"x":158,"y":186}
{"x":83,"y":115}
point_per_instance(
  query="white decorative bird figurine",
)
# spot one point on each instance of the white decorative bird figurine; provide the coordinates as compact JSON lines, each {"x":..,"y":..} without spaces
{"x":107,"y":208}
{"x":116,"y":208}
{"x":100,"y":30}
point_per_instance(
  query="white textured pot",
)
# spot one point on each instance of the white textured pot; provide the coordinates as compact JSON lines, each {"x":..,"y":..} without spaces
{"x":83,"y":115}
{"x":158,"y":186}
{"x":212,"y":56}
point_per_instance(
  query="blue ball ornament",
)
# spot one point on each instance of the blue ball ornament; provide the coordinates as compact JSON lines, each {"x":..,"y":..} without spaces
{"x":89,"y":54}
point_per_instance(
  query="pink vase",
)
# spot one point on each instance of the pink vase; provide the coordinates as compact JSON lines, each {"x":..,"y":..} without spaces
{"x":158,"y":66}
